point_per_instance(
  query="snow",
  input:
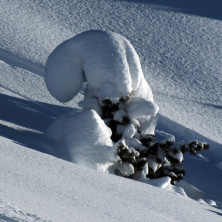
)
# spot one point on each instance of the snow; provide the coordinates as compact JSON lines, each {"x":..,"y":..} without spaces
{"x":56,"y":190}
{"x":111,"y":67}
{"x":179,"y":46}
{"x":106,"y":60}
{"x":103,"y":58}
{"x":83,"y":138}
{"x":143,"y":111}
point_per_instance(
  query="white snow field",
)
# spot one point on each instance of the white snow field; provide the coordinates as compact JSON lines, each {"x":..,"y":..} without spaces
{"x":179,"y":45}
{"x":38,"y":187}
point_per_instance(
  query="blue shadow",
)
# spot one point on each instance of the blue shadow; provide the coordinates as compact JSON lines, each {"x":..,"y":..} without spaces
{"x":32,"y":119}
{"x":204,"y":8}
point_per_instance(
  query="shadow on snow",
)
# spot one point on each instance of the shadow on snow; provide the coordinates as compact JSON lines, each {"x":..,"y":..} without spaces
{"x":24,"y":122}
{"x":218,"y":213}
{"x":35,"y":117}
{"x":209,"y":179}
{"x":19,"y":62}
{"x":31,"y":119}
{"x":203,"y":8}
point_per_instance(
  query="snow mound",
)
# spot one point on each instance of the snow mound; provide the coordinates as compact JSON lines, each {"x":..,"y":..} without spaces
{"x":111,"y":67}
{"x":106,"y":60}
{"x":83,"y":138}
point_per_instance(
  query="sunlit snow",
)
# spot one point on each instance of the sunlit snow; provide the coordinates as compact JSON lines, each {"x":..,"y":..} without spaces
{"x":179,"y":47}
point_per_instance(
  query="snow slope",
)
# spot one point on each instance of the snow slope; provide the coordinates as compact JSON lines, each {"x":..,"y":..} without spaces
{"x":55,"y":190}
{"x":180,"y":51}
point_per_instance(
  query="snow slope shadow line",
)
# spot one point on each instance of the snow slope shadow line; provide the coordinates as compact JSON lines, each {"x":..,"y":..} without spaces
{"x":25,"y":138}
{"x":182,"y":133}
{"x":216,"y":106}
{"x":203,"y":8}
{"x":24,"y":121}
{"x":213,"y":105}
{"x":17,"y":61}
{"x":218,"y":213}
{"x":29,"y":114}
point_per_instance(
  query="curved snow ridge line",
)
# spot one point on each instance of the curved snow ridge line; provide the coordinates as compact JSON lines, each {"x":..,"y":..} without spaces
{"x":13,"y":214}
{"x":17,"y":61}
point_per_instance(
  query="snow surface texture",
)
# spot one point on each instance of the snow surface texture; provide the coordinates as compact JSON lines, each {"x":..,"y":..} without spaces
{"x":56,"y":190}
{"x":179,"y":45}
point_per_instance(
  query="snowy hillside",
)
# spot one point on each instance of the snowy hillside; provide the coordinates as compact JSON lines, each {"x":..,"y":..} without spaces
{"x":37,"y":187}
{"x":180,"y":47}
